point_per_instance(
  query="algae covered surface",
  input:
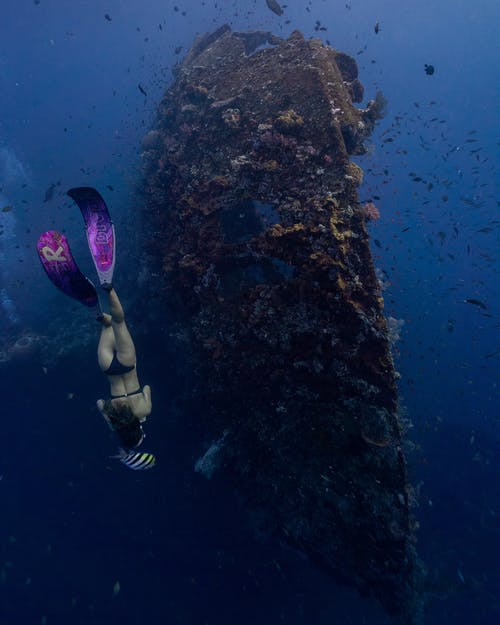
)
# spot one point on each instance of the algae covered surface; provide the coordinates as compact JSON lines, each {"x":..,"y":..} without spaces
{"x":265,"y":265}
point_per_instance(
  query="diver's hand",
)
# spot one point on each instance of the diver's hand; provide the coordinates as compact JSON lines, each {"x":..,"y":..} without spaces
{"x":146,"y":410}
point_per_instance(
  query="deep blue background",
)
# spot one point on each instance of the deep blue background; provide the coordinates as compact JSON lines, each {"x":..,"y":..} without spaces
{"x":72,"y":521}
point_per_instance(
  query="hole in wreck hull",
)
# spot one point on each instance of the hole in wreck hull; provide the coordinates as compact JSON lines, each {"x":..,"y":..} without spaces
{"x":241,"y":222}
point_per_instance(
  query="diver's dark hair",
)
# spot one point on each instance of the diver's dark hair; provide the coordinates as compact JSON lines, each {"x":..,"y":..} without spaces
{"x":124,"y":423}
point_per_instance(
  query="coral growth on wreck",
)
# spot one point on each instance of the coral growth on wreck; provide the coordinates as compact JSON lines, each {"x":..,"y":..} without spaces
{"x":253,"y":202}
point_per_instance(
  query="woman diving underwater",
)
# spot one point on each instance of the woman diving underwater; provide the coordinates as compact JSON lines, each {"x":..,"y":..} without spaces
{"x":128,"y":405}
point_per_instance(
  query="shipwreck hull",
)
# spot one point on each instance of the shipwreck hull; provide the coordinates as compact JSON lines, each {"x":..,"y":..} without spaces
{"x":266,"y":265}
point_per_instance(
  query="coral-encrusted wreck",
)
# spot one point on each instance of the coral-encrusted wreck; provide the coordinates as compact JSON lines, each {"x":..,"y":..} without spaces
{"x":266,"y":263}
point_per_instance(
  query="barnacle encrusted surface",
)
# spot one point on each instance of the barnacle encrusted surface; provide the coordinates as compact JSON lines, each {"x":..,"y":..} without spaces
{"x":266,"y":265}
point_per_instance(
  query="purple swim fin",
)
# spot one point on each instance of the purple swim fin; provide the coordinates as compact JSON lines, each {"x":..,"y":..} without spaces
{"x":100,"y":230}
{"x":60,"y":266}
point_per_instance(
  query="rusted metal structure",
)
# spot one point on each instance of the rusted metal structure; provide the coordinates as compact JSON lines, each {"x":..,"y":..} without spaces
{"x":266,"y":264}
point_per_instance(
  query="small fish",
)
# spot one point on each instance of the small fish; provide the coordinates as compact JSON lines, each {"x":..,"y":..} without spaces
{"x":274,"y":7}
{"x":49,"y":194}
{"x":136,"y":460}
{"x":475,"y":302}
{"x":6,"y":209}
{"x":106,"y":16}
{"x":116,"y":588}
{"x":376,"y":28}
{"x":484,"y":230}
{"x":142,"y":90}
{"x":493,"y":354}
{"x":429,"y":69}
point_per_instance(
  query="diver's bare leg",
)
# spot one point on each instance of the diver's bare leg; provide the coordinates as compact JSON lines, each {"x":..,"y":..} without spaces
{"x":115,"y":307}
{"x":123,"y":341}
{"x":106,"y":343}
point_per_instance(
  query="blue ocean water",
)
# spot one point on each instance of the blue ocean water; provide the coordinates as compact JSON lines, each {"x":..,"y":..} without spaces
{"x":83,"y":540}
